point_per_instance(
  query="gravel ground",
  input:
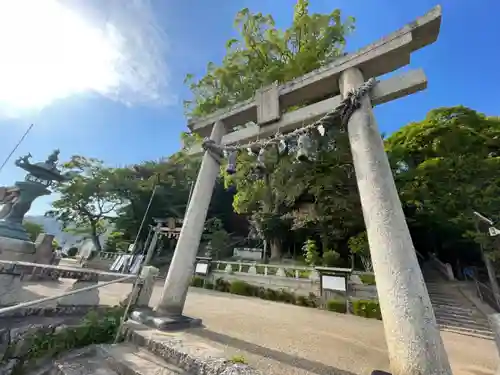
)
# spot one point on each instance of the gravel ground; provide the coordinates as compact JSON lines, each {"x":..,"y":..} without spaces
{"x":290,"y":340}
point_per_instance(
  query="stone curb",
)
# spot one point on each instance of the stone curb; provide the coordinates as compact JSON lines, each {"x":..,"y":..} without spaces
{"x":186,"y":355}
{"x":52,"y":311}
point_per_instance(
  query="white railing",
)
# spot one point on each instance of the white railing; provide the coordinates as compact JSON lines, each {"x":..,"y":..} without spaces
{"x":280,"y":270}
{"x":253,"y":268}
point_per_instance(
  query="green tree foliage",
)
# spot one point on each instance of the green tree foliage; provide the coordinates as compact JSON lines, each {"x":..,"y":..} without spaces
{"x":33,"y":229}
{"x":264,"y":54}
{"x":218,"y":238}
{"x":115,"y":243}
{"x":311,"y":253}
{"x":331,"y":258}
{"x":174,"y":178}
{"x":72,"y":251}
{"x":446,"y":167}
{"x":260,"y":56}
{"x":86,"y":201}
{"x":358,"y":245}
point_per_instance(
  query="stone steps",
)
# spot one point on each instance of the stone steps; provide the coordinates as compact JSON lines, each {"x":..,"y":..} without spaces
{"x":147,"y":351}
{"x":455,"y":313}
{"x":119,"y":359}
{"x":483,"y":334}
{"x":128,"y":359}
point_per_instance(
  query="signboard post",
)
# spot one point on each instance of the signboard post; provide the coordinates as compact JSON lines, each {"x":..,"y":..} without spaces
{"x":334,"y":280}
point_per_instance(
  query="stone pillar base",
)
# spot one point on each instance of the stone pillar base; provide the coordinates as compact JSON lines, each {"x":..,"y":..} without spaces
{"x":161,"y":322}
{"x":16,"y":250}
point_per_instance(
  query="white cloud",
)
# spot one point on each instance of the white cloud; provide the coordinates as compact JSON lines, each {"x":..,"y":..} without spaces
{"x":52,"y":49}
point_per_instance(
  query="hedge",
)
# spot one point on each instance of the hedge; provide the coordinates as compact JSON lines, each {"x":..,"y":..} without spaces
{"x":364,"y":308}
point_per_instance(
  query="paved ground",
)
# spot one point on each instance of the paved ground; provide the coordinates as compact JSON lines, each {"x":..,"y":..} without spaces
{"x":291,"y":340}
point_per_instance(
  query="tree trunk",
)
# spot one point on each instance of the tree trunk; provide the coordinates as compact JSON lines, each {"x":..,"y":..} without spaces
{"x":95,"y":237}
{"x":324,"y":240}
{"x":275,"y":248}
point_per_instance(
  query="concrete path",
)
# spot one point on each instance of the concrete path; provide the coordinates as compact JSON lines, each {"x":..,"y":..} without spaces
{"x":290,"y":340}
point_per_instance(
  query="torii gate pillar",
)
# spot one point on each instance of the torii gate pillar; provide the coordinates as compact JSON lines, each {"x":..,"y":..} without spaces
{"x":411,"y":332}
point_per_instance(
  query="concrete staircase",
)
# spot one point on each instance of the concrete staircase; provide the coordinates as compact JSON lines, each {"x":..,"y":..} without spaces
{"x":147,"y":351}
{"x":454,"y":312}
{"x":119,"y":359}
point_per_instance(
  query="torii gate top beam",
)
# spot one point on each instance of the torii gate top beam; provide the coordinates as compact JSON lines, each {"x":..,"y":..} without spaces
{"x":384,"y":56}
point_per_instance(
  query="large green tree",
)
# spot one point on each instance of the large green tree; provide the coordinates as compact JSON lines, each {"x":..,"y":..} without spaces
{"x":263,"y":54}
{"x":86,"y":203}
{"x":446,"y":167}
{"x":174,"y":178}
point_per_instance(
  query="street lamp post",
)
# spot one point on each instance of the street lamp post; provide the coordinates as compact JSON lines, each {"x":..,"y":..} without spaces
{"x":479,"y":218}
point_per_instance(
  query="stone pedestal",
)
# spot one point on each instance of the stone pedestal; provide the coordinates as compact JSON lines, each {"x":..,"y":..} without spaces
{"x":163,"y":322}
{"x":144,"y":314}
{"x":16,"y":250}
{"x":87,"y":298}
{"x":494,"y":320}
{"x":11,"y":289}
{"x":44,"y":253}
{"x":141,"y":295}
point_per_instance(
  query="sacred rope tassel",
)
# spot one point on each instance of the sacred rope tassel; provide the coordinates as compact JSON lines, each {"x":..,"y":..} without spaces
{"x":304,"y":147}
{"x":261,"y":166}
{"x":232,"y":158}
{"x":283,"y":147}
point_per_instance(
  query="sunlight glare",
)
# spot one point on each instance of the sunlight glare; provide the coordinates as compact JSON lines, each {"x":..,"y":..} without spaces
{"x":48,"y":52}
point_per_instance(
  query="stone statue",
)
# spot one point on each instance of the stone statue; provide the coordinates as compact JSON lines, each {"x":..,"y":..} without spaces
{"x":53,"y":158}
{"x":16,"y":200}
{"x":9,"y":196}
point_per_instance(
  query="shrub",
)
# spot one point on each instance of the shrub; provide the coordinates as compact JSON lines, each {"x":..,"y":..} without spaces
{"x":304,"y":301}
{"x":367,"y":309}
{"x":94,"y":328}
{"x":240,"y":287}
{"x":239,"y":359}
{"x":367,"y":278}
{"x":208,"y":285}
{"x":197,"y":282}
{"x":331,"y":258}
{"x":72,"y":251}
{"x":314,"y":301}
{"x":286,"y":296}
{"x":270,"y":294}
{"x":311,"y":255}
{"x":336,"y":305}
{"x":222,"y":285}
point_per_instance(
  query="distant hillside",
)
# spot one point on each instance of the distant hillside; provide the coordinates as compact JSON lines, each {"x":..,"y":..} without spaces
{"x":52,"y":226}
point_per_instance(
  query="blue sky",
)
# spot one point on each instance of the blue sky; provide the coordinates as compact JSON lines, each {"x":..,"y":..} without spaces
{"x":462,"y":68}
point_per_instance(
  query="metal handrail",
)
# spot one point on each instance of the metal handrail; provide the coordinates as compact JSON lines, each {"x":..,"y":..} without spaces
{"x":493,"y":301}
{"x":71,"y":292}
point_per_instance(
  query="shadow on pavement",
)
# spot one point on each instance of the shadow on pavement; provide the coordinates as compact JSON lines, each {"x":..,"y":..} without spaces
{"x":291,"y":360}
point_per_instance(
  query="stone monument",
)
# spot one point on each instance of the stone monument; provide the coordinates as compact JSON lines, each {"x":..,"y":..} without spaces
{"x":16,"y":201}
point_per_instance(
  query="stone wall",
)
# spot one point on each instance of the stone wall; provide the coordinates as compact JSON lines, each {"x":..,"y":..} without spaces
{"x":19,"y":329}
{"x":300,"y":280}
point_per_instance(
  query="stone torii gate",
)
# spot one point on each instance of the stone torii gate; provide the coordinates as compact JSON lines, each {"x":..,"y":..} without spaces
{"x":413,"y":339}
